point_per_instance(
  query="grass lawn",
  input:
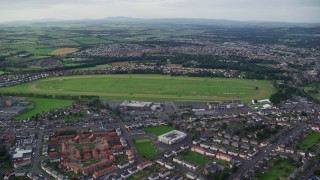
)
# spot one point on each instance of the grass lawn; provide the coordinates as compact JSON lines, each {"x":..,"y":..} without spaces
{"x":144,"y":174}
{"x":44,"y":105}
{"x":5,"y":164}
{"x":80,"y":146}
{"x":158,"y":130}
{"x":55,"y":166}
{"x":29,"y":166}
{"x":149,"y":87}
{"x":222,"y":162}
{"x":197,"y":158}
{"x":145,"y":147}
{"x":74,"y":117}
{"x":138,"y":175}
{"x":234,"y":125}
{"x":89,"y":163}
{"x":281,"y":169}
{"x":310,"y":142}
{"x":315,"y":95}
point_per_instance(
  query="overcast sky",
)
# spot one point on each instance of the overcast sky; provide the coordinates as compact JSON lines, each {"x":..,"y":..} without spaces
{"x":261,"y":10}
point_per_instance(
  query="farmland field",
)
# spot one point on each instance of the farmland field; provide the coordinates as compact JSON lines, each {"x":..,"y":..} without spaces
{"x":159,"y":130}
{"x":44,"y":105}
{"x":145,"y":147}
{"x":102,"y":66}
{"x":41,"y":51}
{"x":62,"y":51}
{"x":149,"y":87}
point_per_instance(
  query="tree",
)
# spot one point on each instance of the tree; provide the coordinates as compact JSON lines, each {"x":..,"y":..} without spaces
{"x":303,"y":113}
{"x":224,"y":126}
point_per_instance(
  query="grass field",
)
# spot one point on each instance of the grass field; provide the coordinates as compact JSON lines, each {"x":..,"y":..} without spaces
{"x":145,"y":147}
{"x":62,"y":51}
{"x":138,"y":175}
{"x":158,"y":130}
{"x":144,"y":174}
{"x":89,"y":163}
{"x":95,"y":67}
{"x":235,"y":125}
{"x":41,"y":51}
{"x":44,"y":105}
{"x":280,"y":170}
{"x":7,"y":164}
{"x":90,"y":40}
{"x":80,"y":146}
{"x":310,"y":142}
{"x":25,"y":167}
{"x":149,"y":87}
{"x":145,"y":140}
{"x":196,"y":158}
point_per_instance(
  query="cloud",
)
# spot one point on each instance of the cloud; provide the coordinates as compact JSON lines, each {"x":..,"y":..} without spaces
{"x":266,"y":10}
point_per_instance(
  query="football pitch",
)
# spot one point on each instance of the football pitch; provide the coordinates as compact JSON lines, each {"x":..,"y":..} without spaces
{"x":145,"y":147}
{"x":149,"y":87}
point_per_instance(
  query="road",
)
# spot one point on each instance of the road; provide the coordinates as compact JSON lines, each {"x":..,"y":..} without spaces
{"x":313,"y":169}
{"x":127,"y":135}
{"x":36,"y":158}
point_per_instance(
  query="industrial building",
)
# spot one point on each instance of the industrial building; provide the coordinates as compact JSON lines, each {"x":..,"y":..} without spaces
{"x":135,"y":106}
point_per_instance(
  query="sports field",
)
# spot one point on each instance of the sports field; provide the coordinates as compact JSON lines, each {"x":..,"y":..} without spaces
{"x":149,"y":87}
{"x":145,"y":147}
{"x":158,"y":130}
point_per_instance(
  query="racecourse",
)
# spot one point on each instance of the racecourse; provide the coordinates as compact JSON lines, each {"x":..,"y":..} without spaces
{"x":149,"y":87}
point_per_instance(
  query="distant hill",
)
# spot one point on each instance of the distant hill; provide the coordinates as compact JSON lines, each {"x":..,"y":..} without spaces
{"x":199,"y":21}
{"x":193,"y":21}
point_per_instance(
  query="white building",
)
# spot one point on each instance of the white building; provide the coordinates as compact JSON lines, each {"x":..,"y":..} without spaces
{"x":172,"y":137}
{"x":22,"y":153}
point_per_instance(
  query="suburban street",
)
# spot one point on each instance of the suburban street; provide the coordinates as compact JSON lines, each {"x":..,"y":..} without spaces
{"x":281,"y":137}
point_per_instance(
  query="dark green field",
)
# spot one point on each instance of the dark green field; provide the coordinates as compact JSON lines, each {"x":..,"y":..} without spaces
{"x":150,"y":87}
{"x":311,"y":142}
{"x":196,"y":158}
{"x":159,"y":130}
{"x":145,"y":147}
{"x":279,"y":169}
{"x":42,"y":105}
